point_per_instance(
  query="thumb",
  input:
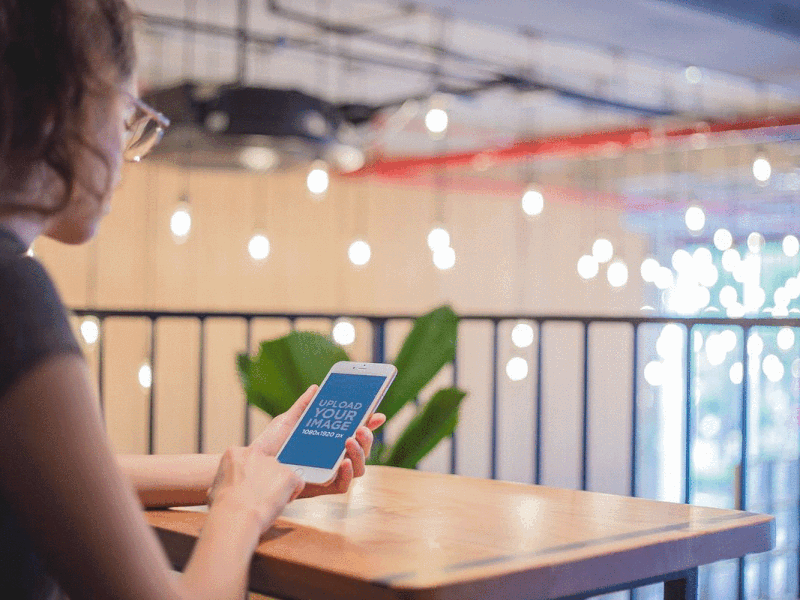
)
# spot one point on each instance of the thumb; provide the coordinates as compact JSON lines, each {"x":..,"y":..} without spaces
{"x":296,"y":411}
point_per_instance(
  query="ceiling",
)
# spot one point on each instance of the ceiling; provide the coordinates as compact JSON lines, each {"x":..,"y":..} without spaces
{"x":504,"y":71}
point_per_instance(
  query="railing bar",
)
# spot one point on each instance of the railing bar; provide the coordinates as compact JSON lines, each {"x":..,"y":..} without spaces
{"x":201,"y":386}
{"x":585,"y":410}
{"x":151,"y":405}
{"x":100,"y":358}
{"x":745,"y":417}
{"x":634,"y":410}
{"x":378,"y":354}
{"x":248,"y":337}
{"x":687,"y":466}
{"x":453,"y":437}
{"x":686,"y":321}
{"x":495,"y":363}
{"x":538,"y":429}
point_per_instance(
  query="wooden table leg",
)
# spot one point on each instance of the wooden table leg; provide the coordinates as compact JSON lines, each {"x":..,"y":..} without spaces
{"x":684,"y":588}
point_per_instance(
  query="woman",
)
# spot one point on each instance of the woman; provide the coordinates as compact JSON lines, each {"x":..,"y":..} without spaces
{"x":69,"y":517}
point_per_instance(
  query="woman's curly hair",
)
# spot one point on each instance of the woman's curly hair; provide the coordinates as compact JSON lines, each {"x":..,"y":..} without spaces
{"x":51,"y":52}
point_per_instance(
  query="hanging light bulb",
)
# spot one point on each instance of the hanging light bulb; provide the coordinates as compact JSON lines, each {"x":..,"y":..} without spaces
{"x":180,"y":223}
{"x":318,"y":180}
{"x":588,"y":266}
{"x":693,"y":74}
{"x":532,"y":202}
{"x":258,"y":246}
{"x":359,"y":253}
{"x":722,"y":239}
{"x":617,"y":273}
{"x":522,"y":335}
{"x":695,"y":218}
{"x":762,"y":169}
{"x":602,"y":250}
{"x":344,"y":332}
{"x":436,"y":120}
{"x":517,"y":368}
{"x":791,"y":246}
{"x":438,"y":238}
{"x":90,"y":330}
{"x":145,"y":375}
{"x":444,"y":258}
{"x":649,"y":269}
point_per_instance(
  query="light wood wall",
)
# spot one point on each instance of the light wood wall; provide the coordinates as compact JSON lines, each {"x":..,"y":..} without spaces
{"x":506,"y":263}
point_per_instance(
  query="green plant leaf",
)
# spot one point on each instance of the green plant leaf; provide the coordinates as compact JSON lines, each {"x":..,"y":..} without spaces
{"x":430,"y":345}
{"x":285,"y":367}
{"x":434,"y":422}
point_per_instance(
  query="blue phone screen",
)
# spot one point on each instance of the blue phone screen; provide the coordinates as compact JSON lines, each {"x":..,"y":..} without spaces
{"x":332,"y":417}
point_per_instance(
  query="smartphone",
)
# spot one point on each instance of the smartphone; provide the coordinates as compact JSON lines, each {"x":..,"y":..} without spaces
{"x":347,"y":397}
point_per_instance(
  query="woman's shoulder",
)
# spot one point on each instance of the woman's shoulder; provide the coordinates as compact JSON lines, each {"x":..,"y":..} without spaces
{"x":33,"y":321}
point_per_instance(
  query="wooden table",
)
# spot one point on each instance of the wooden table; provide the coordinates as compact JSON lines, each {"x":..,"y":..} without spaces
{"x":401,"y":534}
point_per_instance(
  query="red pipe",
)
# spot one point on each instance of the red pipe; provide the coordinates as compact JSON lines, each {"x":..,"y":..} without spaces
{"x":571,"y":146}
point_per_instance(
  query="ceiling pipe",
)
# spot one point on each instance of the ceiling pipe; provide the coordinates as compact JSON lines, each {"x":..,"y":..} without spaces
{"x":584,"y":144}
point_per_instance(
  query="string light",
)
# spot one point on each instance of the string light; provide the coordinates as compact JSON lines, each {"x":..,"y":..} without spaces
{"x":762,"y":169}
{"x":318,"y":180}
{"x":649,"y":269}
{"x":145,"y":375}
{"x":180,"y":223}
{"x":359,"y":253}
{"x":344,"y":332}
{"x":517,"y":368}
{"x":588,"y":266}
{"x":532,"y":202}
{"x":791,"y":246}
{"x":617,"y":274}
{"x":444,"y":258}
{"x":522,"y":335}
{"x":695,"y":218}
{"x":90,"y":330}
{"x":258,"y":246}
{"x":602,"y":250}
{"x":722,"y":239}
{"x":436,"y":120}
{"x":438,"y":238}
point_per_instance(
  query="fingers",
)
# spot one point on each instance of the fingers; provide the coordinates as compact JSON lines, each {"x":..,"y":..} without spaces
{"x":376,"y":421}
{"x":357,"y":453}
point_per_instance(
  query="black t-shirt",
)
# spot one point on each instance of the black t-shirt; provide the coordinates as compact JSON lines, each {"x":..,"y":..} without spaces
{"x":33,"y":327}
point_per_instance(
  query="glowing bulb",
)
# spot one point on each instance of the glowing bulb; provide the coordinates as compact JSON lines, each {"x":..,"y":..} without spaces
{"x":145,"y":376}
{"x":649,"y":269}
{"x":703,"y":255}
{"x":791,"y":246}
{"x":773,"y":368}
{"x":258,"y":158}
{"x":438,"y":238}
{"x":785,"y":338}
{"x":359,"y":253}
{"x":654,"y":373}
{"x":181,"y":222}
{"x":695,"y":218}
{"x":532,"y":202}
{"x":762,"y":170}
{"x":602,"y":250}
{"x":522,"y":335}
{"x":617,"y":273}
{"x":755,"y":242}
{"x":90,"y":330}
{"x":693,"y":74}
{"x":444,"y":258}
{"x":781,"y":297}
{"x":517,"y":369}
{"x":258,"y":247}
{"x":755,"y":345}
{"x":728,"y":296}
{"x":723,"y":239}
{"x":318,"y":180}
{"x":588,"y":266}
{"x":736,"y":373}
{"x":344,"y":333}
{"x":730,"y":258}
{"x":436,"y":120}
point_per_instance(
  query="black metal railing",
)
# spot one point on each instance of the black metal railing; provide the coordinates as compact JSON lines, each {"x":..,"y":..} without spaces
{"x":638,"y":347}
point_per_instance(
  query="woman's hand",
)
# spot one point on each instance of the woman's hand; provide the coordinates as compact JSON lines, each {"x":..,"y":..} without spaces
{"x":358,"y":448}
{"x":255,"y":481}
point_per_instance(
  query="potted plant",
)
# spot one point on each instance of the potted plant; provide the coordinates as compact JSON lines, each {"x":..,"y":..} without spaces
{"x":285,"y":367}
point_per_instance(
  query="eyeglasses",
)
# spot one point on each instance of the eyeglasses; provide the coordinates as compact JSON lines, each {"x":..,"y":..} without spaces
{"x":144,"y":128}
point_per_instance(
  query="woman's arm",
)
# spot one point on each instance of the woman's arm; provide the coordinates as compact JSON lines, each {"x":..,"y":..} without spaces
{"x":163,"y":480}
{"x":59,"y":475}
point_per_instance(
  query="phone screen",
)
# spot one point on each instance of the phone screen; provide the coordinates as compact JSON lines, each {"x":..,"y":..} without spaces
{"x":334,"y":415}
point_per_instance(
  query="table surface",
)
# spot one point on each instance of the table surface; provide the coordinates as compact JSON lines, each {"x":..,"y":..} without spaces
{"x":407,"y":534}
